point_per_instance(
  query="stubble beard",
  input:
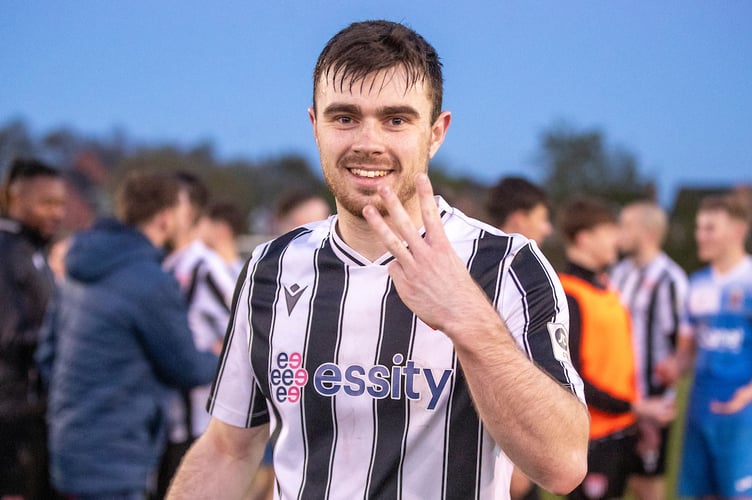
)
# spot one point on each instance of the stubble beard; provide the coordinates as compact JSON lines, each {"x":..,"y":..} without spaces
{"x":353,"y":201}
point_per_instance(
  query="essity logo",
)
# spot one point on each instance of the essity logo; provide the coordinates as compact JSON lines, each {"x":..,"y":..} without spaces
{"x":288,"y":378}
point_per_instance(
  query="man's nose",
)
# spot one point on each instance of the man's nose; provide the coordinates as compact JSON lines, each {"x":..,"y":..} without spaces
{"x":369,"y":137}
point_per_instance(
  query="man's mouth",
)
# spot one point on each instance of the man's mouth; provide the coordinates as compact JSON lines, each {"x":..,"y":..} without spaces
{"x":360,"y":172}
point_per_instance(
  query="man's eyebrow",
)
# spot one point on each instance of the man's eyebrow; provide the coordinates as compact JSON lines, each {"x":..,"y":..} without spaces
{"x":352,"y":109}
{"x":399,"y":110}
{"x":336,"y":108}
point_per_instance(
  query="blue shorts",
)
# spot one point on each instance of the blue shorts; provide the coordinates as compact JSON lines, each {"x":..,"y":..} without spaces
{"x":717,"y":456}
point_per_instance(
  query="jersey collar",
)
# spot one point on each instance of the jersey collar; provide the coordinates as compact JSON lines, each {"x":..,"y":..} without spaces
{"x":352,"y":258}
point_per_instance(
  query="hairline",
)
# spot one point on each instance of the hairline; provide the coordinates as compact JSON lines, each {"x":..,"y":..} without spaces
{"x":327,"y":78}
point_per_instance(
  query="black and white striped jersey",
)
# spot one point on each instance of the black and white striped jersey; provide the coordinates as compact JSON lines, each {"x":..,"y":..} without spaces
{"x":364,"y":399}
{"x":207,"y":283}
{"x":655,"y":295}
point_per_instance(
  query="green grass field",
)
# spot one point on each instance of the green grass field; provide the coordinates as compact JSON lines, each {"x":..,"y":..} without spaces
{"x":675,"y":441}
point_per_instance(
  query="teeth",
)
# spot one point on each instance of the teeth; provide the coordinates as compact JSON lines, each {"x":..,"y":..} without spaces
{"x":368,"y":173}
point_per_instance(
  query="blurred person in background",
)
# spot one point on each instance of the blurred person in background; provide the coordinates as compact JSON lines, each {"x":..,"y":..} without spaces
{"x":295,"y":208}
{"x":516,"y":205}
{"x":219,"y":228}
{"x":207,"y":286}
{"x":716,"y":339}
{"x":121,"y":340}
{"x":601,"y":347}
{"x":33,"y":208}
{"x":654,"y":288}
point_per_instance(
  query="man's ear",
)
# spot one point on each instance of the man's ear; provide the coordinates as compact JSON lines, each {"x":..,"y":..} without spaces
{"x":312,"y":118}
{"x":516,"y":220}
{"x":438,"y":132}
{"x":581,"y":238}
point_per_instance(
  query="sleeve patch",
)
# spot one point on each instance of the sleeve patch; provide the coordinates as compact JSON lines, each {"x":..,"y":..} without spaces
{"x":559,"y":341}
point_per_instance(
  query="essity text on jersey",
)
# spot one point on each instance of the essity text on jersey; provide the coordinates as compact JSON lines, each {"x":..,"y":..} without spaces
{"x":377,"y":381}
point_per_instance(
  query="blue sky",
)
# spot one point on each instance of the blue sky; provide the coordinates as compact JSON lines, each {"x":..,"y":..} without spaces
{"x":669,"y":81}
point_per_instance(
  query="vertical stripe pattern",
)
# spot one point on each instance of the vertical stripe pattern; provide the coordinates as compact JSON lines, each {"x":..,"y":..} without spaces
{"x":383,"y":410}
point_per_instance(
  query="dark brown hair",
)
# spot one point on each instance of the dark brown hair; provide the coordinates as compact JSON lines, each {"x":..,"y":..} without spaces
{"x":20,"y":170}
{"x":143,"y":195}
{"x":583,"y":214}
{"x":228,"y":213}
{"x":511,"y":194}
{"x":195,"y":188}
{"x":733,"y":204}
{"x":364,"y":48}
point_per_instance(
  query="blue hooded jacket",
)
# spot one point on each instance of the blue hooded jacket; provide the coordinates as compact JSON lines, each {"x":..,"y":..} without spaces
{"x":120,"y":340}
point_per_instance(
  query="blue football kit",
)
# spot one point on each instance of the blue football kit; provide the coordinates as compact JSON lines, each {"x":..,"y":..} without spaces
{"x":717,"y":456}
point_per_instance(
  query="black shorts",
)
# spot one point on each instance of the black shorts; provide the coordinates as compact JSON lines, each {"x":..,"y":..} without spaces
{"x":608,"y":467}
{"x":646,"y":466}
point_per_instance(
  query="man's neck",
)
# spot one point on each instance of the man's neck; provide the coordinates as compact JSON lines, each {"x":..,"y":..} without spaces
{"x":154,"y":234}
{"x":358,"y":234}
{"x":646,"y":255}
{"x":728,"y":261}
{"x":16,"y":225}
{"x":184,"y":240}
{"x":582,"y":259}
{"x":227,"y":252}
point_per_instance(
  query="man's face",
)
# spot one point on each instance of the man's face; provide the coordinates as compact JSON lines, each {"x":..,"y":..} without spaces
{"x":308,"y":211}
{"x":185,"y":215}
{"x":536,"y":224}
{"x":178,"y":220}
{"x":377,"y":133}
{"x":39,"y":203}
{"x":715,"y":232}
{"x":600,"y":243}
{"x":629,"y":231}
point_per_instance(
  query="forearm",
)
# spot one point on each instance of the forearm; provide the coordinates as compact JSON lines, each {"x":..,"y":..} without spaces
{"x":542,"y":427}
{"x":685,"y":354}
{"x":215,"y":466}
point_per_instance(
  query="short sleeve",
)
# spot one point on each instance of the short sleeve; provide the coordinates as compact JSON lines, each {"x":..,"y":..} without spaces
{"x":235,"y":397}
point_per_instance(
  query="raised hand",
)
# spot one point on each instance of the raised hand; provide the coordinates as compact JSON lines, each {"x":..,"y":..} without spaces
{"x":429,"y":276}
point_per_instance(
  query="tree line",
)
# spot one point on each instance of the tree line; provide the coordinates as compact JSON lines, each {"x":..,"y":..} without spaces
{"x":568,"y":162}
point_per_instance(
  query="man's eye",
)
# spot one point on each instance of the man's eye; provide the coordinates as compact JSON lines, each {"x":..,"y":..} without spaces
{"x":397,"y":121}
{"x":344,"y":119}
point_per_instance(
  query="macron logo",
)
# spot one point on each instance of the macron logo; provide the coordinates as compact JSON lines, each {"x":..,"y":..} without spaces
{"x":292,"y":295}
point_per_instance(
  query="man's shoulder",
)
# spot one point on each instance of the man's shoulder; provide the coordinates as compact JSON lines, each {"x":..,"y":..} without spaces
{"x":701,"y":275}
{"x":10,"y":234}
{"x":213,"y":261}
{"x":624,"y":266}
{"x":305,"y":238}
{"x":461,"y":227}
{"x":669,"y":266}
{"x":8,"y":242}
{"x":9,"y":227}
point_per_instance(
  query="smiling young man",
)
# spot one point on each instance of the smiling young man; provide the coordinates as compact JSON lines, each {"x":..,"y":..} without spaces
{"x":387,"y":350}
